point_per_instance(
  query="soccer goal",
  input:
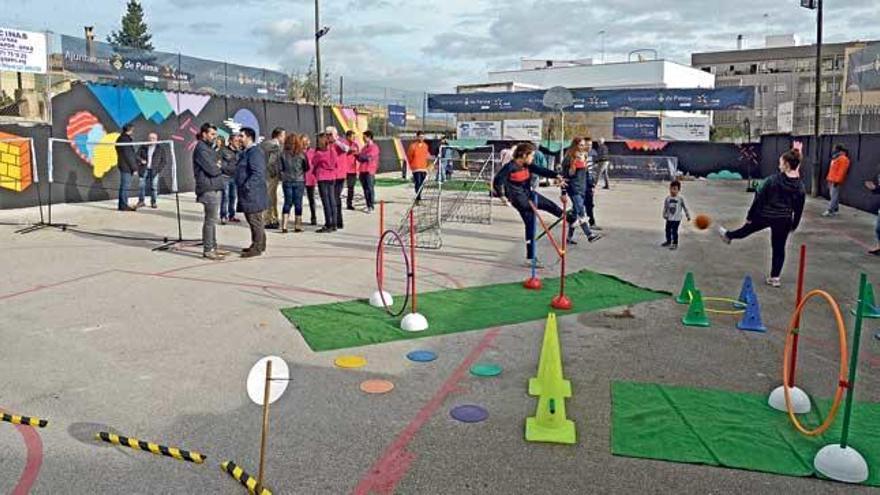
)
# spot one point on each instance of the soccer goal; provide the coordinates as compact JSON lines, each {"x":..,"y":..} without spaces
{"x":457,"y":190}
{"x":102,"y":156}
{"x":661,"y":168}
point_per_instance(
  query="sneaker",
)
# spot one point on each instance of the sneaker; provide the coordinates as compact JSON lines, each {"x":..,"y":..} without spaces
{"x":666,"y":244}
{"x":153,"y":205}
{"x":234,"y":220}
{"x":140,"y":204}
{"x":222,"y":252}
{"x":722,"y":232}
{"x":774,"y":282}
{"x":572,"y":241}
{"x":213,"y":256}
{"x":673,"y":247}
{"x":594,"y":237}
{"x":251,"y":254}
{"x":875,"y":252}
{"x":325,"y":230}
{"x":222,"y":221}
{"x":829,"y":213}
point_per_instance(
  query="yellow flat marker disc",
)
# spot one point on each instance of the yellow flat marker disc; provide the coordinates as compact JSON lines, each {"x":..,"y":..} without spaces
{"x":377,"y":386}
{"x":350,"y":362}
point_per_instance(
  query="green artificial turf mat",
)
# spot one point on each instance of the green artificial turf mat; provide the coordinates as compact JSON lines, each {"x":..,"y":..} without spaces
{"x":355,"y":323}
{"x":728,"y":429}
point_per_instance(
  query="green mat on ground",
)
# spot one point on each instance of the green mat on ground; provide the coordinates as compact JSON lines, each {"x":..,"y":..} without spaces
{"x":355,"y":323}
{"x":390,"y":182}
{"x":729,"y":429}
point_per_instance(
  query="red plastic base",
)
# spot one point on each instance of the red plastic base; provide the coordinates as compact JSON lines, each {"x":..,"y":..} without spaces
{"x":533,"y":284}
{"x":561,"y":302}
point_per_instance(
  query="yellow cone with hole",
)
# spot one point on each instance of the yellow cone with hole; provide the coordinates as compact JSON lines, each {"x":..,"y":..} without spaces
{"x":550,"y":423}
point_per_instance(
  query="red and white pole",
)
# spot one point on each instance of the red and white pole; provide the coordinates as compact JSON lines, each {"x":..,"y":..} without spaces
{"x":561,"y":301}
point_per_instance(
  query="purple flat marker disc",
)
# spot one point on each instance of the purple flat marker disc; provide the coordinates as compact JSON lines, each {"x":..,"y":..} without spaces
{"x":469,"y":413}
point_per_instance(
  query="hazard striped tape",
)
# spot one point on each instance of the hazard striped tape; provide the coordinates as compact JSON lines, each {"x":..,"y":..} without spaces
{"x":23,"y":420}
{"x":134,"y":443}
{"x":242,"y":477}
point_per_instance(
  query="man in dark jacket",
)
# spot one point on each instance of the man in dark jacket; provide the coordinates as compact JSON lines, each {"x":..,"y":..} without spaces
{"x":272,"y":151}
{"x":253,"y":196}
{"x":603,"y":162}
{"x":128,"y":165}
{"x":208,"y":170}
{"x":151,"y":163}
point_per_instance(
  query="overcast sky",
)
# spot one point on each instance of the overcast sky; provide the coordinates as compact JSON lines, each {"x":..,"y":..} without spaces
{"x":434,"y":45}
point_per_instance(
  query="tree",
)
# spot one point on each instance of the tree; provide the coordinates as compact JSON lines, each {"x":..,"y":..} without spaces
{"x":304,"y":88}
{"x":134,"y":32}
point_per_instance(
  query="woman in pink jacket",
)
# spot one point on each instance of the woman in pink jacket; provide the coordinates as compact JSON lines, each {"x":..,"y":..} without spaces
{"x":311,"y":181}
{"x":368,"y":159}
{"x":324,"y":164}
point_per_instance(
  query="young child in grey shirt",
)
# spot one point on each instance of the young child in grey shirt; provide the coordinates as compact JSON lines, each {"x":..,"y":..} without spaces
{"x":674,"y":209}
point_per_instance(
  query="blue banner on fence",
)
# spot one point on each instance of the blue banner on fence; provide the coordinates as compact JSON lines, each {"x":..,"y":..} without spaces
{"x":397,"y":115}
{"x":636,"y":128}
{"x":586,"y":100}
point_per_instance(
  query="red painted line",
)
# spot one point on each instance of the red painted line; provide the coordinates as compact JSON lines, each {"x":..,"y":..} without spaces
{"x":38,"y":288}
{"x":392,"y":466}
{"x":34,"y":460}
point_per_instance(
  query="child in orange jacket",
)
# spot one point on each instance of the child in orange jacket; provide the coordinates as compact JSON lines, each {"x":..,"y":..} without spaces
{"x":836,"y":177}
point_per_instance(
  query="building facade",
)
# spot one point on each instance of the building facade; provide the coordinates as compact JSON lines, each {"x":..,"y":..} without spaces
{"x":784,"y":78}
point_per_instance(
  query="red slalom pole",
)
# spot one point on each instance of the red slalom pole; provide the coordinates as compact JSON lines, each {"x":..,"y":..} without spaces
{"x":412,"y":257}
{"x":561,"y":301}
{"x":797,"y":323}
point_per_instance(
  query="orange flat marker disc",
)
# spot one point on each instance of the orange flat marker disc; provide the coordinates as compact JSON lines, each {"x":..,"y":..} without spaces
{"x":377,"y":386}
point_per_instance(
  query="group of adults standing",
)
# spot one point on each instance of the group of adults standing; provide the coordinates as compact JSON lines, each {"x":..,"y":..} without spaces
{"x":243,"y":175}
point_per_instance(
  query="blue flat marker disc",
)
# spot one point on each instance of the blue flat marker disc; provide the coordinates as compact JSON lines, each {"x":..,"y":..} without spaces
{"x":469,"y":413}
{"x":421,"y":356}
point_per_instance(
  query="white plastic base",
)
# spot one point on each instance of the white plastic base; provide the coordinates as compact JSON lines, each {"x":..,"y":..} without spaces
{"x":800,"y":401}
{"x":841,"y":464}
{"x":376,"y":299}
{"x":414,"y":322}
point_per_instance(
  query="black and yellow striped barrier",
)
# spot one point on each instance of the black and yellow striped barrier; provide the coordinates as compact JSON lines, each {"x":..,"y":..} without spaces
{"x":134,"y":443}
{"x":242,"y":477}
{"x":23,"y":420}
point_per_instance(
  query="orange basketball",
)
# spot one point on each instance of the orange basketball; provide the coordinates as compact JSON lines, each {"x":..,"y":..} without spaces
{"x":702,"y":222}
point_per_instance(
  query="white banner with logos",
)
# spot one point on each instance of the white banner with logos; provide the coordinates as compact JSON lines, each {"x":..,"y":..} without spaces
{"x":694,"y":128}
{"x":479,"y":130}
{"x":22,"y":51}
{"x":785,"y":117}
{"x":523,"y":129}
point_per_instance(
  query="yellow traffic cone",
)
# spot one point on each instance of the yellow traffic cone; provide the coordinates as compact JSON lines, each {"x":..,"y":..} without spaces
{"x":550,"y":362}
{"x":550,"y":423}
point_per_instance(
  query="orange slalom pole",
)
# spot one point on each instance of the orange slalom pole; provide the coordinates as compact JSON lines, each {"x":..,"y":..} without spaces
{"x":412,"y":256}
{"x":561,"y":301}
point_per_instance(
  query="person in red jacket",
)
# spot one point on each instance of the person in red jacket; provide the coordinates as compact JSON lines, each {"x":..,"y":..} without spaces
{"x":351,"y":168}
{"x":836,"y":177}
{"x":311,"y":181}
{"x":324,"y":164}
{"x":340,"y":150}
{"x":369,"y":164}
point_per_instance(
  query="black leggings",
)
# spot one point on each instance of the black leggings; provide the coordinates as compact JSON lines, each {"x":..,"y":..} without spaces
{"x":672,"y":231}
{"x":521,"y":203}
{"x":338,"y":186}
{"x":779,"y":230}
{"x":310,"y":193}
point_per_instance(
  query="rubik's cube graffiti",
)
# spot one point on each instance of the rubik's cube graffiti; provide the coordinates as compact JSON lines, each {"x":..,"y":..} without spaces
{"x":15,"y":162}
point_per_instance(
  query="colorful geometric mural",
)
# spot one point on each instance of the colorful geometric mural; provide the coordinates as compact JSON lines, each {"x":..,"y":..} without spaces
{"x":92,"y":143}
{"x":15,"y":162}
{"x":126,"y":104}
{"x":347,"y":119}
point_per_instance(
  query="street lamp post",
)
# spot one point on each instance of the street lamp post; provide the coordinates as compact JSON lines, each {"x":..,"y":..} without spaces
{"x":817,"y":6}
{"x":320,"y":96}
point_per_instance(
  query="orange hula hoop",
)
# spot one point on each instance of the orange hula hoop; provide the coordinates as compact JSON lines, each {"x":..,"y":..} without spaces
{"x":842,"y":374}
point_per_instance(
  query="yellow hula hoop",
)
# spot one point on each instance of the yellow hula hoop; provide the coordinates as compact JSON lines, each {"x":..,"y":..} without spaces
{"x":842,"y":384}
{"x":721,"y":299}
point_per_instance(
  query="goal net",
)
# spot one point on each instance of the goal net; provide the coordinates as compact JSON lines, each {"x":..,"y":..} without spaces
{"x":457,"y":190}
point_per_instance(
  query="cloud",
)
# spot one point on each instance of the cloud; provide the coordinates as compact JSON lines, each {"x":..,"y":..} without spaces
{"x":205,"y":27}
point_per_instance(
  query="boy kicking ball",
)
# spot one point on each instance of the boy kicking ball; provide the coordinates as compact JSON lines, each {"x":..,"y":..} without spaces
{"x":674,"y":209}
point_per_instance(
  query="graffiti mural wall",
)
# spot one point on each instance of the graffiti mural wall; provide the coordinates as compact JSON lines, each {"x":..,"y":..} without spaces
{"x":89,"y":118}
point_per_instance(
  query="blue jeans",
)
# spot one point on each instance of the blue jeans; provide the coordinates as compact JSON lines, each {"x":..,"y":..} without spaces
{"x":152,"y":178}
{"x":293,"y":196}
{"x":228,"y":199}
{"x":124,"y":184}
{"x":580,"y":211}
{"x":419,"y":177}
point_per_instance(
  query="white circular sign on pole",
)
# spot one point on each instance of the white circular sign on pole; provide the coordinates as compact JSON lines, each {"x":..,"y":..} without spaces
{"x":256,"y":380}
